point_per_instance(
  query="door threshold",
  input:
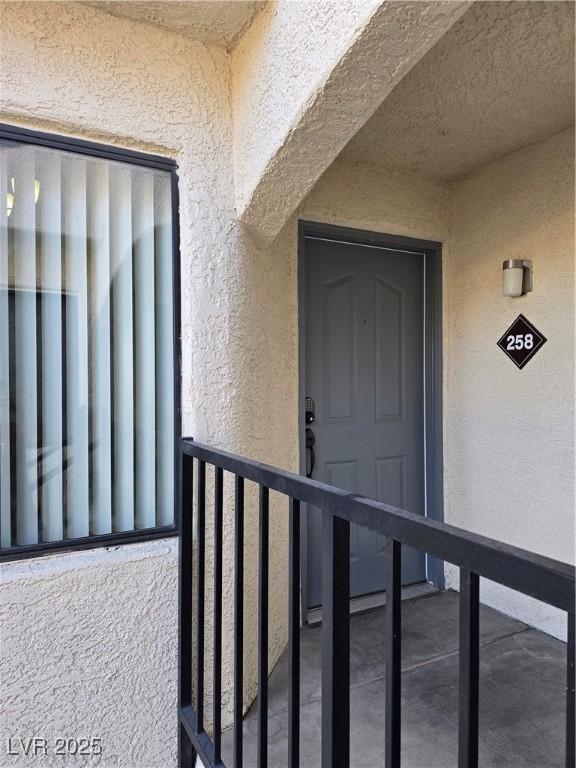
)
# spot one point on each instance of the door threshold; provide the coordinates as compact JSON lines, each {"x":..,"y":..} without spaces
{"x":366,"y":603}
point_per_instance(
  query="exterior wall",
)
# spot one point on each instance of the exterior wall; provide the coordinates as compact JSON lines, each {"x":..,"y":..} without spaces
{"x":372,"y":198}
{"x":269,"y":91}
{"x":509,"y":439}
{"x":90,"y":651}
{"x":508,"y":434}
{"x":148,"y":89}
{"x":306,"y":77}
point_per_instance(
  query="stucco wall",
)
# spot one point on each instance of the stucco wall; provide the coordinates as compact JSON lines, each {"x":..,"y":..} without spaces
{"x":372,"y":198}
{"x":305,"y":78}
{"x":89,"y":650}
{"x":509,"y":434}
{"x":269,"y":90}
{"x":146,"y":88}
{"x":75,"y":70}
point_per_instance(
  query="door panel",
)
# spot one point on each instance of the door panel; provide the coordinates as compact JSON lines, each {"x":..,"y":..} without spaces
{"x":364,"y":370}
{"x":339,"y":350}
{"x":389,"y":328}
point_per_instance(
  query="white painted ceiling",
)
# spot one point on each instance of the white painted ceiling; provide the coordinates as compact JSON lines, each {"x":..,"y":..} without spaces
{"x":219,"y":22}
{"x":502,"y":78}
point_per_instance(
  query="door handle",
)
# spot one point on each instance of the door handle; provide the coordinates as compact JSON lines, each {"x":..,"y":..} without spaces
{"x":310,"y":452}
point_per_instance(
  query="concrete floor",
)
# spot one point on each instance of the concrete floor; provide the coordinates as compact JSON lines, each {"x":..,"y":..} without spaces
{"x":522,"y":693}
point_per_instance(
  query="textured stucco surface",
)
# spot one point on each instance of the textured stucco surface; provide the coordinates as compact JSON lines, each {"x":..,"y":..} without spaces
{"x":306,"y":77}
{"x":508,"y":434}
{"x":372,"y":198}
{"x":509,"y":443}
{"x":149,"y":89}
{"x":146,"y":88}
{"x":89,"y":649}
{"x":212,"y":21}
{"x":501,"y":78}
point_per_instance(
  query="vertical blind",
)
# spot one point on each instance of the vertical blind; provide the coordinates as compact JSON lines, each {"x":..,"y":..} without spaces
{"x":86,"y":346}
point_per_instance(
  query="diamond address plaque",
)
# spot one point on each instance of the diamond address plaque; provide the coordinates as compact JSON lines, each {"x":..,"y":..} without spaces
{"x":521,"y":341}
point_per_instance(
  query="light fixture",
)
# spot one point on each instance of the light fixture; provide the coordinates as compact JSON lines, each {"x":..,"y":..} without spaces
{"x":516,"y":277}
{"x":10,"y":196}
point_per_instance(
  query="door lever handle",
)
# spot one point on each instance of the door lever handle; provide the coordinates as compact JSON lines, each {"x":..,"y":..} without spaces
{"x":310,"y":452}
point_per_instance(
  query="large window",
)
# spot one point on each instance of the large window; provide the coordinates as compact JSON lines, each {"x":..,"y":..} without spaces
{"x":88,"y":396}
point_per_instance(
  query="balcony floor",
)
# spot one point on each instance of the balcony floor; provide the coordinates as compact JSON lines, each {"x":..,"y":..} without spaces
{"x":522,"y":693}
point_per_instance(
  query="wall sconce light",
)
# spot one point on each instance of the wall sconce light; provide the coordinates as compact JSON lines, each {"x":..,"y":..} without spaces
{"x":516,"y":277}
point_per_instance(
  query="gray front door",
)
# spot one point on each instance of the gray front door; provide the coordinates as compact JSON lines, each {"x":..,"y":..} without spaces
{"x":364,"y":372}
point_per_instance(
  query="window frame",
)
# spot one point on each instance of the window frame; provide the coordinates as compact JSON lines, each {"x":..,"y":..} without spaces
{"x":10,"y":134}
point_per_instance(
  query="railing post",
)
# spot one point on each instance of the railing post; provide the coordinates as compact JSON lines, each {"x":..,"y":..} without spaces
{"x":570,"y":692}
{"x":294,"y":636}
{"x":186,"y":754}
{"x":469,"y":669}
{"x":263,"y":630}
{"x":217,"y":648}
{"x":238,"y":620}
{"x":201,"y":525}
{"x":335,"y":641}
{"x":393,"y":652}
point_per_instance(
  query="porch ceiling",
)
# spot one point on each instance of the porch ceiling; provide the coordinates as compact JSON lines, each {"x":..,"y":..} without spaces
{"x":500,"y":79}
{"x":220,"y":22}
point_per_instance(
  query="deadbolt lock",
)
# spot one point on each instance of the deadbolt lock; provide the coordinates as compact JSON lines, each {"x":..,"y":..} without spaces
{"x":309,"y":417}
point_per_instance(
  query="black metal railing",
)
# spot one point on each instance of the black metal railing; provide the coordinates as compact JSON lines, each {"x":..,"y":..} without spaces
{"x":542,"y":578}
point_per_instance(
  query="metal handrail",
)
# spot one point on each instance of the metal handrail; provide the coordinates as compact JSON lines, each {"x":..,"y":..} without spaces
{"x":543,"y":578}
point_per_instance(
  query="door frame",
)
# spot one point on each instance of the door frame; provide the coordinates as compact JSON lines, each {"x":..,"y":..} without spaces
{"x":433,"y":379}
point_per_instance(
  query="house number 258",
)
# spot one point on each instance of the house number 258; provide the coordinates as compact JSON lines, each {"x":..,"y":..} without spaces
{"x":520,"y":341}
